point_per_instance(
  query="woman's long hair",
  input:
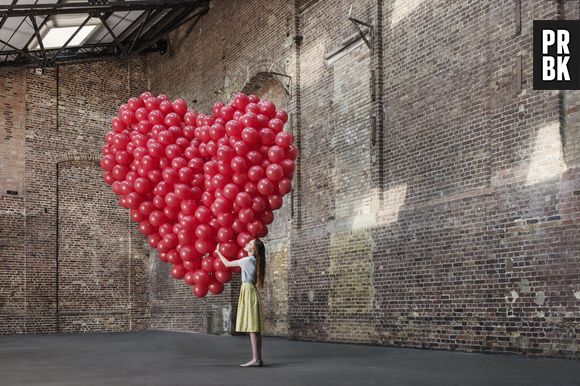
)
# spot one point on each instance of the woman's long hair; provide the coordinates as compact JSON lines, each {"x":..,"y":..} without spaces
{"x":260,"y":253}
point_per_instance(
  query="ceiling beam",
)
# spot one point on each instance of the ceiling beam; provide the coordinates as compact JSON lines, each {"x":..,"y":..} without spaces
{"x":15,"y":10}
{"x":6,"y":17}
{"x":69,"y":55}
{"x":37,"y":34}
{"x":163,"y":33}
{"x":72,"y":37}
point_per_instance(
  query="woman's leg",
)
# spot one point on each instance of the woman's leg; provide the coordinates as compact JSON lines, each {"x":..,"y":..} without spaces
{"x":254,"y":340}
{"x":255,"y":356}
{"x":259,"y":346}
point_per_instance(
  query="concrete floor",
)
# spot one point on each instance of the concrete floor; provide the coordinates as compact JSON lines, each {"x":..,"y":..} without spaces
{"x":172,"y":358}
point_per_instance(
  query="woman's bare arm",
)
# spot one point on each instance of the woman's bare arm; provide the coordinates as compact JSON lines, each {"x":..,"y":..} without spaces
{"x":225,"y":261}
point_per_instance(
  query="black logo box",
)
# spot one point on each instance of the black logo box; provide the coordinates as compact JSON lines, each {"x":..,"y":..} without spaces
{"x":573,"y":27}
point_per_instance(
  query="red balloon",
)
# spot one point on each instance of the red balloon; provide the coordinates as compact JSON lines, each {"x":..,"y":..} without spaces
{"x":178,"y":271}
{"x":267,"y":108}
{"x":246,"y":215}
{"x":202,"y":246}
{"x":239,"y":164}
{"x":291,"y":152}
{"x":119,"y":172}
{"x":262,"y":121}
{"x":188,"y":207}
{"x":263,"y":232}
{"x":203,"y":214}
{"x":134,"y":199}
{"x":283,"y":115}
{"x":230,"y":191}
{"x":215,"y":287}
{"x":284,"y":139}
{"x":172,"y":200}
{"x":276,"y":124}
{"x":250,"y":188}
{"x":136,"y":215}
{"x":108,"y":162}
{"x":265,"y":187}
{"x":186,"y":237}
{"x":199,"y":290}
{"x":142,"y":185}
{"x":240,"y":101}
{"x":266,"y":217}
{"x":274,"y":172}
{"x":228,"y":249}
{"x":289,"y":167}
{"x":157,"y":218}
{"x":225,"y":234}
{"x":207,"y":264}
{"x":284,"y":186}
{"x":180,"y":106}
{"x":227,"y":112}
{"x":188,"y":278}
{"x":238,"y":226}
{"x":256,"y":227}
{"x":159,"y":202}
{"x":276,"y":154}
{"x":146,"y":207}
{"x":216,"y":131}
{"x":201,"y":278}
{"x":204,"y":231}
{"x":165,"y":229}
{"x":244,"y":238}
{"x":225,"y":219}
{"x":252,"y":108}
{"x":250,"y":135}
{"x":153,"y":240}
{"x":255,"y":173}
{"x":219,"y":266}
{"x":243,"y":199}
{"x":241,"y":148}
{"x":223,"y":276}
{"x":118,"y":124}
{"x":267,"y":136}
{"x":193,"y":264}
{"x":170,"y":240}
{"x":275,"y":201}
{"x":173,"y":257}
{"x":240,"y":178}
{"x":188,"y":253}
{"x":259,"y":204}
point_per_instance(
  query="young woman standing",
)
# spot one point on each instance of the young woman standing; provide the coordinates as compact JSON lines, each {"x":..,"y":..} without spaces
{"x":249,"y":317}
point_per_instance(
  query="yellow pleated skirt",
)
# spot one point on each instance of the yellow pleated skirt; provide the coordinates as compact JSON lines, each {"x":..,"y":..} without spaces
{"x":249,"y":317}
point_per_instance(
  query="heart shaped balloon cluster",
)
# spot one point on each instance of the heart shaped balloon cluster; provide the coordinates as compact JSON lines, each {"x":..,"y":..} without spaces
{"x":193,"y":180}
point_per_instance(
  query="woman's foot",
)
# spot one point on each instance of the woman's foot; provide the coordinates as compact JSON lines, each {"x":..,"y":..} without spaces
{"x":253,"y":363}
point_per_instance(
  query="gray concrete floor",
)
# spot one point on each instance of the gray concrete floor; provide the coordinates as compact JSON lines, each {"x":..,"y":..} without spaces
{"x":172,"y":358}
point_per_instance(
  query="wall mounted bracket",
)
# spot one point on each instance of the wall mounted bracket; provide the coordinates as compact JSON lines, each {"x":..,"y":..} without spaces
{"x":357,"y":23}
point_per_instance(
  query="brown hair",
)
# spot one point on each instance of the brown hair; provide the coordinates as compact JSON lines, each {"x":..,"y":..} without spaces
{"x":260,"y":253}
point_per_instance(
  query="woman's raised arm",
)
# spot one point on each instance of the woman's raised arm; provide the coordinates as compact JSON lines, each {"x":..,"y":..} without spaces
{"x":225,"y":261}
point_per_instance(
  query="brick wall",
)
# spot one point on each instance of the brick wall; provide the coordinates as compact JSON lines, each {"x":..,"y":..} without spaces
{"x":471,"y":243}
{"x":70,"y":258}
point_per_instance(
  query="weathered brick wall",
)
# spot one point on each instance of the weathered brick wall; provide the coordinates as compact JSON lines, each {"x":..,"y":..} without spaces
{"x":71,"y":260}
{"x":481,"y":254}
{"x":12,"y":132}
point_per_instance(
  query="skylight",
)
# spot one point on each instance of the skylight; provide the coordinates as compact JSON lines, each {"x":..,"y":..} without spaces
{"x":57,"y":36}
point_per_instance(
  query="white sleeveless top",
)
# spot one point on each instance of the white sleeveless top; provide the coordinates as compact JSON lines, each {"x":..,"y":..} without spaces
{"x":248,"y":266}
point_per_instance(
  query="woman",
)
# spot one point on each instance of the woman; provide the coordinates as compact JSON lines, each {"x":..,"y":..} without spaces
{"x":249,"y":317}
